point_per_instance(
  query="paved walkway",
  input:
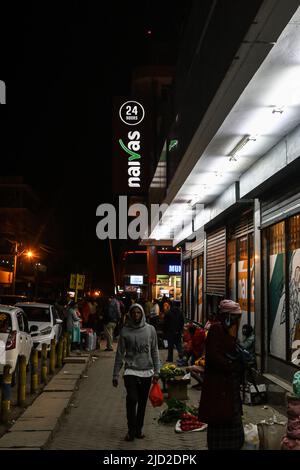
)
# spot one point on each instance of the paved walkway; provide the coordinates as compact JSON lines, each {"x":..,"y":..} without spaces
{"x":97,"y":417}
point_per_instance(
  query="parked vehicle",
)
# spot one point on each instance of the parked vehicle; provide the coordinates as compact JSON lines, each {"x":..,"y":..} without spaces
{"x":14,"y":332}
{"x":44,"y":322}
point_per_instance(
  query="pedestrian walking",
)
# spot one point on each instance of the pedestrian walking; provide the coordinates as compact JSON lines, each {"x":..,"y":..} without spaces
{"x":173,"y":328}
{"x":111,"y":319}
{"x":137,"y":346}
{"x":220,"y":404}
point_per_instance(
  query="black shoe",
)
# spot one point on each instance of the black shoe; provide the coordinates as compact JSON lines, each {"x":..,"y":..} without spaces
{"x":129,"y":437}
{"x":108,"y":349}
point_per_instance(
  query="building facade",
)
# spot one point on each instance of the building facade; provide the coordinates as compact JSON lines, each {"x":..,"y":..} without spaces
{"x":232,"y":190}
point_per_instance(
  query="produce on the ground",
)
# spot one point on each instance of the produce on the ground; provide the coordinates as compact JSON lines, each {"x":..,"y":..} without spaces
{"x":189,"y":422}
{"x":175,"y":410}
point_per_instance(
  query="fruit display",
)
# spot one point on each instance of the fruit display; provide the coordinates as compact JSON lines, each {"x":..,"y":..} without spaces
{"x":189,"y":422}
{"x":171,"y":371}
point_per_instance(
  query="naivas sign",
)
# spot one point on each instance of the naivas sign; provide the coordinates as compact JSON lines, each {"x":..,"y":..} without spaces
{"x":129,"y":147}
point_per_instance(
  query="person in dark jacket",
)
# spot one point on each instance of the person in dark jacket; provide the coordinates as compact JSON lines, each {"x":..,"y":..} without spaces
{"x":173,"y":328}
{"x":220,"y":404}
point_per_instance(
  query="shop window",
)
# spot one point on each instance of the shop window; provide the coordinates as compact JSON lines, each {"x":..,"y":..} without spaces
{"x":231,"y":269}
{"x":200,"y":290}
{"x":252,"y":281}
{"x":195,"y":289}
{"x":243,"y":278}
{"x":276,"y":291}
{"x":187,"y":287}
{"x":294,"y":286}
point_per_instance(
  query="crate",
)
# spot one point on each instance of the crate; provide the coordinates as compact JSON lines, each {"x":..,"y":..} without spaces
{"x":178,"y":389}
{"x":252,"y":397}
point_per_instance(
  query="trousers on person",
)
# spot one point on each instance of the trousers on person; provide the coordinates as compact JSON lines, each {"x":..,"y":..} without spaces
{"x":137,"y":395}
{"x":109,"y":333}
{"x":174,"y":340}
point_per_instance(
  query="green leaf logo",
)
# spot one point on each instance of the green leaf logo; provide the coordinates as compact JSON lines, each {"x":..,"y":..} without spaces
{"x":133,"y":155}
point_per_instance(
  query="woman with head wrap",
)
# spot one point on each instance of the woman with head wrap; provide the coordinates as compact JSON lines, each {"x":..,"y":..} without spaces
{"x":220,"y":404}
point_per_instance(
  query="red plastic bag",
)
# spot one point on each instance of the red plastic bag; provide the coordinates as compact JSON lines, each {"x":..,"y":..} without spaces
{"x":156,"y":395}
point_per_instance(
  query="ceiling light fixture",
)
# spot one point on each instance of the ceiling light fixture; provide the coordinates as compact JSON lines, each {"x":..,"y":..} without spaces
{"x":242,"y":143}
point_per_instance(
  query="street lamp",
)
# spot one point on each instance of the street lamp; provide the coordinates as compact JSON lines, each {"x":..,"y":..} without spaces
{"x":29,"y":253}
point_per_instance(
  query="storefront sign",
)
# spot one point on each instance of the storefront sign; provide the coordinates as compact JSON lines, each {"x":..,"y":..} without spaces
{"x":136,"y":280}
{"x":174,"y":268}
{"x":130,"y":147}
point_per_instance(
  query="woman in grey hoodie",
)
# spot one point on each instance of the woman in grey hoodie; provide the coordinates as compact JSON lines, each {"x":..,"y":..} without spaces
{"x":137,"y":346}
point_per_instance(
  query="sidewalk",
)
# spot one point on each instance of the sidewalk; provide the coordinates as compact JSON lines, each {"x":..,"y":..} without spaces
{"x":80,"y":409}
{"x":98,"y":418}
{"x":37,"y":424}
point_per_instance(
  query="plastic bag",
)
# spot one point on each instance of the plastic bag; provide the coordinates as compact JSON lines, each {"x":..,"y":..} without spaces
{"x":296,"y":384}
{"x":156,"y":396}
{"x":251,"y":437}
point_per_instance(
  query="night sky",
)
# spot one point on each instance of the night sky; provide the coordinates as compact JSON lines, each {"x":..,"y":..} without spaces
{"x":63,"y":62}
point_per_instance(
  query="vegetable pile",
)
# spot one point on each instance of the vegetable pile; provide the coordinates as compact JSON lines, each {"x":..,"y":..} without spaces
{"x":175,"y":410}
{"x":189,"y":422}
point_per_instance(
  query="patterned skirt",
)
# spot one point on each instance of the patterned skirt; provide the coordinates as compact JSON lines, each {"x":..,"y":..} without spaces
{"x":225,"y":436}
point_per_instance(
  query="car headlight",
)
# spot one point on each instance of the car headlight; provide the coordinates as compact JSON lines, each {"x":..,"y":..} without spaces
{"x":46,"y":331}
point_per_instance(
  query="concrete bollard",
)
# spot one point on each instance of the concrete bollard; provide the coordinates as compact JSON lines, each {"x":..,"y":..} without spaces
{"x":22,"y":381}
{"x":34,"y":371}
{"x":6,"y":394}
{"x":52,"y":356}
{"x":60,"y":348}
{"x":44,"y":364}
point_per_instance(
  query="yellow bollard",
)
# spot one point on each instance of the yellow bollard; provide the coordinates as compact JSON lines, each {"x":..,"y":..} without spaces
{"x":60,"y":348}
{"x":34,"y":371}
{"x":22,"y":381}
{"x":68,"y":344}
{"x":6,"y":394}
{"x":65,"y":344}
{"x":52,"y":356}
{"x":44,"y":364}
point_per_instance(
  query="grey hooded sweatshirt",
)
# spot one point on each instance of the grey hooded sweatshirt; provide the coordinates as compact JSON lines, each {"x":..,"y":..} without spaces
{"x":137,"y":346}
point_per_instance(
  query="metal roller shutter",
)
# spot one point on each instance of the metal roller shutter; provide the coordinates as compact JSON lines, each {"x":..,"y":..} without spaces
{"x":242,"y":226}
{"x":216,"y":262}
{"x":276,"y":209}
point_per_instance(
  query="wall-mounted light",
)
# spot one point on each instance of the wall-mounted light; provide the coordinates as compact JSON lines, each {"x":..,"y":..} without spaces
{"x":242,"y":143}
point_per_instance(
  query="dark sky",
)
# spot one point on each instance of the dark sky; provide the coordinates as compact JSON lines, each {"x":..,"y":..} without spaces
{"x":63,"y":62}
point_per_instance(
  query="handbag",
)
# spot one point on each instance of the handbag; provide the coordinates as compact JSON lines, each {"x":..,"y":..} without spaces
{"x":156,"y":396}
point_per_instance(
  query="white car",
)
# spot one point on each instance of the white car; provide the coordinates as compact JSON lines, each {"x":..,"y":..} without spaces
{"x":44,"y":322}
{"x":14,"y":332}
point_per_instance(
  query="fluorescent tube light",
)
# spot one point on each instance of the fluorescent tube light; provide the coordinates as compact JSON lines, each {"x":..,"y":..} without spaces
{"x":242,"y":143}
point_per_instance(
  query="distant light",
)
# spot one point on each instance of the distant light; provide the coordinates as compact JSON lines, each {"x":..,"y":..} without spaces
{"x":29,"y":254}
{"x":149,"y":32}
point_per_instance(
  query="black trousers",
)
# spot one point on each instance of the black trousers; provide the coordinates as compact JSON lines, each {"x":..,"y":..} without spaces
{"x":174,"y":340}
{"x":137,"y":395}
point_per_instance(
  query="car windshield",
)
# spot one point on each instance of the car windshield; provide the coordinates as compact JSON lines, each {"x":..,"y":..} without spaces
{"x":5,"y":323}
{"x":37,"y":314}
